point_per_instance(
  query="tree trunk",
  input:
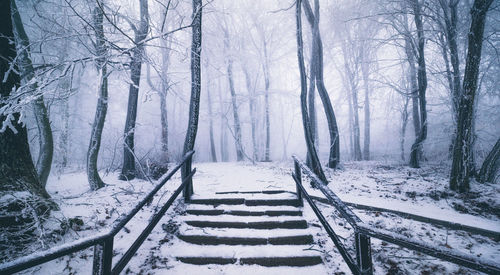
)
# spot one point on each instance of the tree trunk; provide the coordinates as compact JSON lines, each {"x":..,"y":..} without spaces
{"x":251,"y":107}
{"x":366,"y":76}
{"x":404,"y":123}
{"x":64,"y":137}
{"x":353,"y":102}
{"x":45,"y":138}
{"x":128,"y":169}
{"x":356,"y":131}
{"x":316,"y":164}
{"x":95,"y":180}
{"x":450,"y":19}
{"x":165,"y":53}
{"x":312,"y":102}
{"x":313,"y":18}
{"x":164,"y":122}
{"x":213,"y":154}
{"x":194,"y":103}
{"x":491,"y":165}
{"x":350,"y":120}
{"x":266,"y":105}
{"x":417,"y":146}
{"x":223,"y":123}
{"x":17,"y":172}
{"x":462,"y":148}
{"x":236,"y":118}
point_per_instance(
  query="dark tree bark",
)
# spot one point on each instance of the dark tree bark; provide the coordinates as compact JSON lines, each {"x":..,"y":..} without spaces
{"x":311,"y":97}
{"x":462,"y":147}
{"x":491,"y":165}
{"x":45,"y":138}
{"x":414,"y":90}
{"x":17,"y":172}
{"x":312,"y":101}
{"x":313,"y":18}
{"x":194,"y":104}
{"x":95,"y":180}
{"x":417,"y":146}
{"x":128,"y":169}
{"x":315,"y":163}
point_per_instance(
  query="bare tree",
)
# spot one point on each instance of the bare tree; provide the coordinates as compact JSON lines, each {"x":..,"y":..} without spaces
{"x":128,"y":169}
{"x":45,"y":138}
{"x":17,"y":172}
{"x":317,"y":44}
{"x":422,"y":86}
{"x":236,"y":118}
{"x":313,"y":156}
{"x":213,"y":154}
{"x":491,"y":165}
{"x":252,"y":110}
{"x":101,"y":49}
{"x":194,"y":105}
{"x":462,"y":147}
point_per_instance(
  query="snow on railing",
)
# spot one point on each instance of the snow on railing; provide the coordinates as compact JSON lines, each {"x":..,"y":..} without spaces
{"x":103,"y":242}
{"x":363,"y":232}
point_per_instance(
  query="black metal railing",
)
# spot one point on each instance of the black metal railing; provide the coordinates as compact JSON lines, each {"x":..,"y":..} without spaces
{"x":363,"y":232}
{"x":103,"y":242}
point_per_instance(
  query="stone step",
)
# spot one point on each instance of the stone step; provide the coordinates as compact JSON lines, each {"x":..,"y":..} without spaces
{"x":294,"y":224}
{"x":263,"y":261}
{"x":229,"y":201}
{"x":247,"y":202}
{"x":219,"y":240}
{"x":269,"y":192}
{"x":215,"y":212}
{"x":282,"y":202}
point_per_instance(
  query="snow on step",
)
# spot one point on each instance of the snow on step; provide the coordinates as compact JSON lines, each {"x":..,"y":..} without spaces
{"x":215,"y":212}
{"x":247,"y":202}
{"x":231,"y":218}
{"x":246,"y":228}
{"x":241,"y":207}
{"x":218,"y":240}
{"x":251,"y":225}
{"x":183,"y":249}
{"x":242,"y":232}
{"x":263,"y":261}
{"x":250,"y":195}
{"x":183,"y":269}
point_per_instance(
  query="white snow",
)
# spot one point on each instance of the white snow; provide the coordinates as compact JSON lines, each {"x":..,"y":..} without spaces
{"x":368,"y":183}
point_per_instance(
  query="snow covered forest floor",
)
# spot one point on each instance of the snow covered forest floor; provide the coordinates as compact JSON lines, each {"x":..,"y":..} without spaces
{"x":388,"y":185}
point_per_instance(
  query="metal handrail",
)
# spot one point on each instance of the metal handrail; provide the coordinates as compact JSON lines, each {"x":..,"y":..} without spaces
{"x":363,"y":263}
{"x":103,"y":242}
{"x":351,"y":263}
{"x":363,"y":232}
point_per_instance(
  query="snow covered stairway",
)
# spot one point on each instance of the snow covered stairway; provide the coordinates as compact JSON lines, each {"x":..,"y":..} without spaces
{"x":246,"y":228}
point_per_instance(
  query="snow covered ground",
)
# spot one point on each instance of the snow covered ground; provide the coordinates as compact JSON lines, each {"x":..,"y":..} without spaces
{"x":418,"y":191}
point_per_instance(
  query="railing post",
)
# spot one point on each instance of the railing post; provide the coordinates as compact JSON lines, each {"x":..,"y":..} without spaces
{"x":185,"y":171}
{"x":363,"y":253}
{"x":103,"y":257}
{"x":298,"y":175}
